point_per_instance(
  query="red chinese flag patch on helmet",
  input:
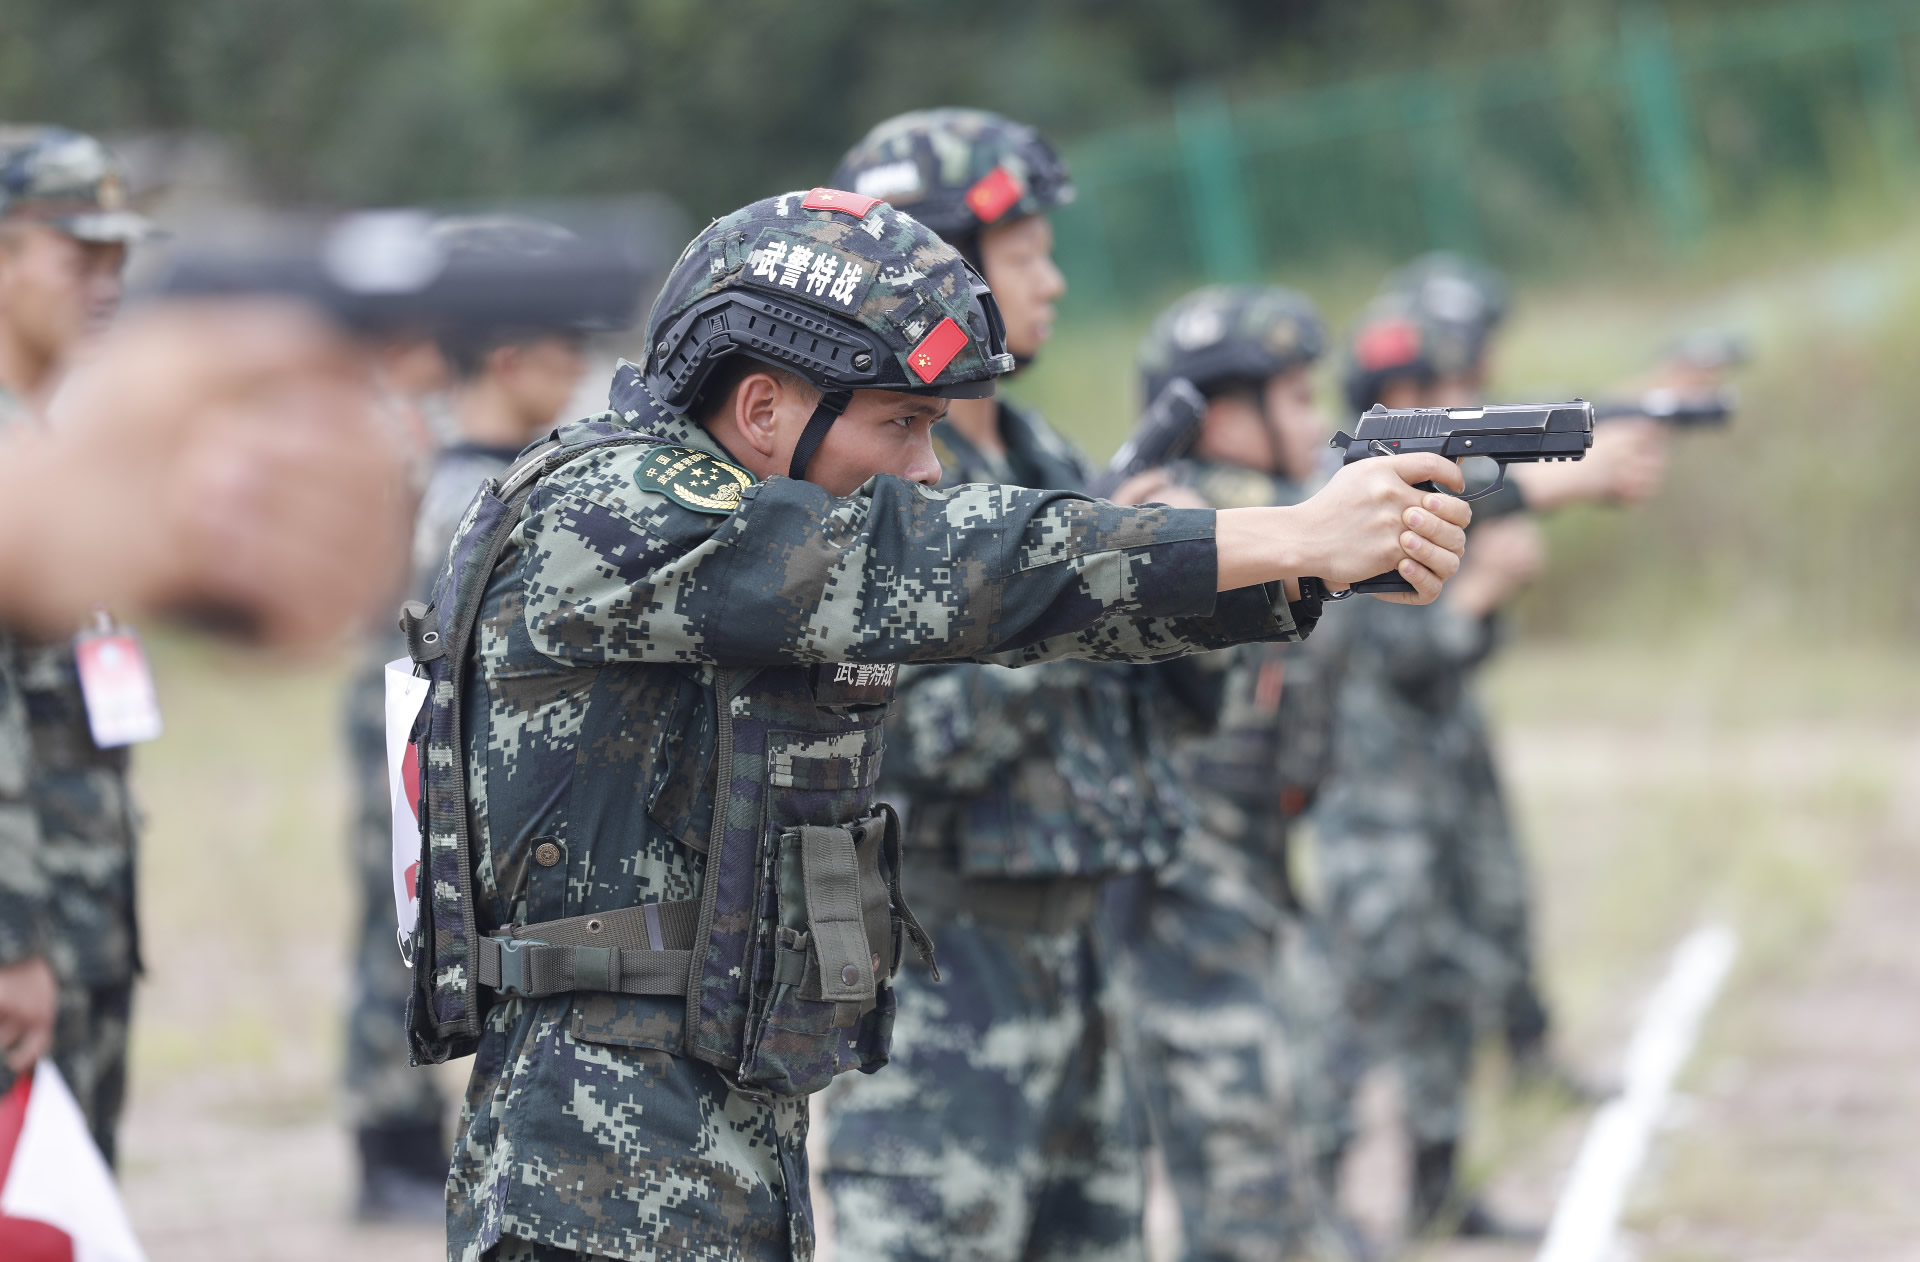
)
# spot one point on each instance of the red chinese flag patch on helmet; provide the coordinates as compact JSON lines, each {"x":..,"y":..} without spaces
{"x":839,"y":199}
{"x":1387,"y":344}
{"x":936,"y":350}
{"x":994,"y":194}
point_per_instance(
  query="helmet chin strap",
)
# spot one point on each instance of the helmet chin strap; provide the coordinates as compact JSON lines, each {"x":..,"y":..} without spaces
{"x":1276,"y":453}
{"x":825,"y":413}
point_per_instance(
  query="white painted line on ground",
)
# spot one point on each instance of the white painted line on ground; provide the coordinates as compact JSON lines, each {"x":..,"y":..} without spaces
{"x":1588,"y":1214}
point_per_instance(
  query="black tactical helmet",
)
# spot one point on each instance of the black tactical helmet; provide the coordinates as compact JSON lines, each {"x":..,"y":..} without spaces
{"x":1227,"y":337}
{"x":957,"y":171}
{"x":839,"y":288}
{"x":1453,"y":289}
{"x":1433,"y":319}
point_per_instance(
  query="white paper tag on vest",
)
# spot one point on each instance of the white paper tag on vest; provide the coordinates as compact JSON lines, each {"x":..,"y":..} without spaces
{"x":122,"y":708}
{"x":405,"y":695}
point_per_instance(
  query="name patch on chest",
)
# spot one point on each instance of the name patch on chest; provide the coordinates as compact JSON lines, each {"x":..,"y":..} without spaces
{"x":694,"y":479}
{"x":839,"y":684}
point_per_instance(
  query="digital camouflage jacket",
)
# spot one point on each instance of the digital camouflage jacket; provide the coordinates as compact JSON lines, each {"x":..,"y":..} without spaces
{"x":1059,"y":770}
{"x":643,"y":586}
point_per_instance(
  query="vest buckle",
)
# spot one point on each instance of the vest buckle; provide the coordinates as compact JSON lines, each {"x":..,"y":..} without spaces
{"x":514,"y":973}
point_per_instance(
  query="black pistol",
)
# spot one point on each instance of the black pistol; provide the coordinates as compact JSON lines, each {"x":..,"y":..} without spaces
{"x":1696,"y":410}
{"x":1503,"y":433}
{"x":1168,"y":429}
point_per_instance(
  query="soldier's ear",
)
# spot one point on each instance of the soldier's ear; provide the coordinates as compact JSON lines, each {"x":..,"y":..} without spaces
{"x":756,"y":411}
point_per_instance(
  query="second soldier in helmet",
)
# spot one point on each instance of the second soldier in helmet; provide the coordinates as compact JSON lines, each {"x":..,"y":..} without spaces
{"x":1004,"y":1127}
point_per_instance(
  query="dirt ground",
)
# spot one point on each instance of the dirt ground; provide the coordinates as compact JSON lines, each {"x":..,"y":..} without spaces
{"x":1779,"y":794}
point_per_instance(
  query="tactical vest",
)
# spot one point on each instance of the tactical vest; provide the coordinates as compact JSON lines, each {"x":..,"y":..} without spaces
{"x":786,"y":958}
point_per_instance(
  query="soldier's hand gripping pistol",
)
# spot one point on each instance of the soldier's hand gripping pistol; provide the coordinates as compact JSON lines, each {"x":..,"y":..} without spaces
{"x":1505,"y":434}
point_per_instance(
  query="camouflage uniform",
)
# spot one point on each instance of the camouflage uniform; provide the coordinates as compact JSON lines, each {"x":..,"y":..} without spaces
{"x":74,"y":880}
{"x":78,"y":883}
{"x":1402,"y":822}
{"x":643,"y":587}
{"x":1003,"y":1128}
{"x":385,"y":1097}
{"x":1423,"y":917}
{"x":77,"y":872}
{"x":1205,"y":938}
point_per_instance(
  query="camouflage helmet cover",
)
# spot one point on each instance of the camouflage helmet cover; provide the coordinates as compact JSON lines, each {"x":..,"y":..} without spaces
{"x":68,"y":181}
{"x":957,"y":170}
{"x":1230,"y":335}
{"x":842,"y":289}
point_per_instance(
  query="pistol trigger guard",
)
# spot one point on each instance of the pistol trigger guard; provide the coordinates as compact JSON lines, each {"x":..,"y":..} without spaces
{"x":1499,"y":480}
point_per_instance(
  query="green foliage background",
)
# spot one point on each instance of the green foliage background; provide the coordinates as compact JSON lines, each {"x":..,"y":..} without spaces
{"x":1798,"y":526}
{"x":712,"y":101}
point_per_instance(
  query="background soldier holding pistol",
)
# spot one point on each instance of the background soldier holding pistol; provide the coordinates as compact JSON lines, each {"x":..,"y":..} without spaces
{"x":1204,"y":939}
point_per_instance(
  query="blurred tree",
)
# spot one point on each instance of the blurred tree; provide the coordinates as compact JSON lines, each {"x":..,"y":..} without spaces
{"x":715,"y":101}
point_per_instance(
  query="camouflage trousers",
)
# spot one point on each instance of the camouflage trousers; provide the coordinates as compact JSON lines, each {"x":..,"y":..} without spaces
{"x":90,"y":1050}
{"x":1002,"y":1130}
{"x":605,"y":1145}
{"x":383,"y":1090}
{"x":1213,"y":1058}
{"x":1410,"y":979}
{"x":1500,"y":907}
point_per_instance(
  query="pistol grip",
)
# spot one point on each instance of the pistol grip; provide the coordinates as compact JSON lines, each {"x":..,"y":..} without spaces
{"x":1388,"y":582}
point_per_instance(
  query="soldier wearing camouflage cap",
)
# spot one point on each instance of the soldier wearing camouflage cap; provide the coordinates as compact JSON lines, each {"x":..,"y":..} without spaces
{"x":1024,"y":794}
{"x":656,"y":899}
{"x":1204,"y":938}
{"x":68,"y":950}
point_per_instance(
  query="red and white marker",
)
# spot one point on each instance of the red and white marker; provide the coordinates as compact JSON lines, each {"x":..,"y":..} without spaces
{"x":57,"y":1198}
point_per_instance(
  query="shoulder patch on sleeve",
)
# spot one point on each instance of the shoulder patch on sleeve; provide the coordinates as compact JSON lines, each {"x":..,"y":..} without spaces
{"x":693,"y":479}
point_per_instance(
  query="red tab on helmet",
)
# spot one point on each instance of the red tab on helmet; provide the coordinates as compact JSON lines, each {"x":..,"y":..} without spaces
{"x":1388,"y":344}
{"x":839,"y":199}
{"x":994,"y":194}
{"x":936,"y":350}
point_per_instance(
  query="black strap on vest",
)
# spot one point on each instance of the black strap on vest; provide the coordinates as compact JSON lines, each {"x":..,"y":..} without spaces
{"x":825,"y":413}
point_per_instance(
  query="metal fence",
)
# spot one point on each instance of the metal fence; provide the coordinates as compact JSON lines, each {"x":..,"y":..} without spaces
{"x":1655,"y":135}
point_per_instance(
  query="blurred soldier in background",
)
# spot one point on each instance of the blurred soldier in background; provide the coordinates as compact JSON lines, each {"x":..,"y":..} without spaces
{"x":1425,"y":899}
{"x":65,"y":227}
{"x":1003,"y":1127}
{"x":507,"y":386}
{"x":202,"y":456}
{"x":1203,"y":937}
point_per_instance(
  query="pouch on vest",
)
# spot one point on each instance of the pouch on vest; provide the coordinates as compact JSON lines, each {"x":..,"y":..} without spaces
{"x":827,"y":1003}
{"x":802,"y":888}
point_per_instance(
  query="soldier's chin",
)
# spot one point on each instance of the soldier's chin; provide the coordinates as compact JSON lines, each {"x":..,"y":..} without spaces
{"x":1025,"y":355}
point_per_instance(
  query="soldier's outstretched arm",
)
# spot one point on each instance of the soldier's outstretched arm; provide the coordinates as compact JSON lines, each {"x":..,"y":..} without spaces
{"x":614,"y":570}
